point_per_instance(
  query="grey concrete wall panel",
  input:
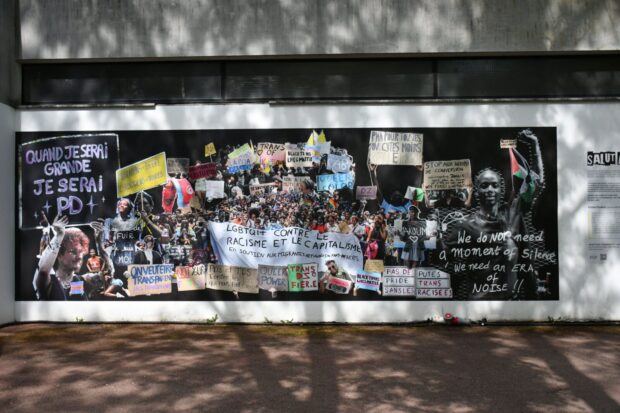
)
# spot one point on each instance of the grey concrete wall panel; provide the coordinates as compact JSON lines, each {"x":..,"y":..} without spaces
{"x":9,"y":70}
{"x":75,"y":29}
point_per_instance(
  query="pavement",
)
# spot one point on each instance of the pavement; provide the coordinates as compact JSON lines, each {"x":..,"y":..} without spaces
{"x":233,"y":368}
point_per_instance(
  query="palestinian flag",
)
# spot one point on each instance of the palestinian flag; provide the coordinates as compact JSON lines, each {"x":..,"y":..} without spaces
{"x":522,"y":176}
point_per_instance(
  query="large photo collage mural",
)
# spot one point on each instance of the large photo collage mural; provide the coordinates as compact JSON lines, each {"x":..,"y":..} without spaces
{"x":288,"y":214}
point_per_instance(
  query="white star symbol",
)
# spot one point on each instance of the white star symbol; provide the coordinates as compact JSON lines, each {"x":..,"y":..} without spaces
{"x":91,"y":204}
{"x":47,"y":207}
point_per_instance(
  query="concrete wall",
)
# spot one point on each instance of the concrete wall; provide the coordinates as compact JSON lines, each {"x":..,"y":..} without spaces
{"x":587,"y":291}
{"x":9,"y":70}
{"x":7,"y":220}
{"x":76,"y":29}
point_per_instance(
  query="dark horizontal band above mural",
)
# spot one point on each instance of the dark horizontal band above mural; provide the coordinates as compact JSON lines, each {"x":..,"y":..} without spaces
{"x":588,"y":76}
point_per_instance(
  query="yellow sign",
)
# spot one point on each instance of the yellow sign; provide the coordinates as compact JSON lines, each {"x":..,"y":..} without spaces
{"x":140,"y":176}
{"x":210,"y":149}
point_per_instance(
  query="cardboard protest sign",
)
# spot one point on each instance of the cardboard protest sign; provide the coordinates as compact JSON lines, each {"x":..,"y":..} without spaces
{"x":227,"y":278}
{"x":191,"y":278}
{"x":442,"y":175}
{"x":261,"y":189}
{"x":373,"y":266}
{"x":177,"y":166}
{"x":339,"y":163}
{"x":298,"y":157}
{"x":215,"y":189}
{"x":303,"y":277}
{"x":249,"y":247}
{"x":366,"y":193}
{"x":150,"y":279}
{"x":368,"y":280}
{"x":205,"y":170}
{"x":398,"y":276}
{"x":338,"y":285}
{"x":334,"y":182}
{"x":274,"y":152}
{"x":273,"y":277}
{"x":292,"y":183}
{"x":67,"y":175}
{"x":395,"y":148}
{"x":432,"y":283}
{"x":140,"y":176}
{"x":398,"y":281}
{"x":210,"y":149}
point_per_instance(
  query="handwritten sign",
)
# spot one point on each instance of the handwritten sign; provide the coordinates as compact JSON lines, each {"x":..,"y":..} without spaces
{"x":399,"y":281}
{"x":261,"y":189}
{"x":399,"y":276}
{"x":303,"y":277}
{"x":296,"y":158}
{"x":339,"y":163}
{"x":249,"y":247}
{"x":507,"y":143}
{"x":272,"y":277}
{"x":243,"y":162}
{"x":191,"y":278}
{"x":150,"y":279}
{"x":373,"y":266}
{"x":242,"y":150}
{"x":432,"y":283}
{"x":210,"y":149}
{"x":68,"y":175}
{"x":215,"y":189}
{"x":177,"y":165}
{"x":274,"y":152}
{"x":368,"y":280}
{"x":334,"y":182}
{"x":422,"y":293}
{"x":292,"y":183}
{"x":366,"y":193}
{"x":205,"y":170}
{"x":338,"y":285}
{"x":442,"y":175}
{"x":140,"y":176}
{"x":124,"y":247}
{"x":395,"y":148}
{"x":226,"y":278}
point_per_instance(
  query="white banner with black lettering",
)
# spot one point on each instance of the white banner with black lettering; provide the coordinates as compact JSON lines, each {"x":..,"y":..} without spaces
{"x":248,"y":247}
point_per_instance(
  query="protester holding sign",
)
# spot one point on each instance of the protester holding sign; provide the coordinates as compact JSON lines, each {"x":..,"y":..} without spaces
{"x":66,"y":252}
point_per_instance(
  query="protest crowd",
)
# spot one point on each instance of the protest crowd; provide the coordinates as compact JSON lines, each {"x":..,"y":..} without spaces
{"x":263,"y":188}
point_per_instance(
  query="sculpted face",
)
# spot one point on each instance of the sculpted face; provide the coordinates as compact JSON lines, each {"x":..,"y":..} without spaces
{"x":489,"y":189}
